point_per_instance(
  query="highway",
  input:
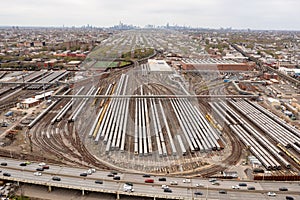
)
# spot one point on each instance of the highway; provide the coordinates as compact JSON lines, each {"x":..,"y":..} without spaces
{"x":70,"y":179}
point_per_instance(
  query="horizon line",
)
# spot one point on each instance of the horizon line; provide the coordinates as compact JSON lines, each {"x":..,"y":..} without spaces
{"x":139,"y":27}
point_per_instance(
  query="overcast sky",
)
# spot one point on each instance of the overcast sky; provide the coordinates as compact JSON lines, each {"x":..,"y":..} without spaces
{"x":254,"y":14}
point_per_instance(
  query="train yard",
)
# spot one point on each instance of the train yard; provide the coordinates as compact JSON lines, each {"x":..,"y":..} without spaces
{"x":157,"y":135}
{"x":146,"y":119}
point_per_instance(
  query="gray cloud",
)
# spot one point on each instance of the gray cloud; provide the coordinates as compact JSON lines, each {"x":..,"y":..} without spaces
{"x":256,"y":14}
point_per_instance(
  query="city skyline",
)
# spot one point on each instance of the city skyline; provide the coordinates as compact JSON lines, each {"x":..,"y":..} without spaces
{"x":266,"y":15}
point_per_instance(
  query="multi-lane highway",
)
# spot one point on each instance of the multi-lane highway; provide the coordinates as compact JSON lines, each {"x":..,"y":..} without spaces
{"x":70,"y":178}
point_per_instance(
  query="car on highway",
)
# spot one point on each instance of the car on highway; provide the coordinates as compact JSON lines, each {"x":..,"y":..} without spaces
{"x":289,"y":198}
{"x":222,"y":191}
{"x":187,"y":180}
{"x":235,"y":187}
{"x":271,"y":194}
{"x":149,"y":180}
{"x":167,"y":190}
{"x":110,"y":175}
{"x":162,"y":179}
{"x":198,"y":193}
{"x":251,"y":188}
{"x":199,"y":185}
{"x":6,"y":174}
{"x":117,"y":178}
{"x":243,"y":184}
{"x":83,"y":174}
{"x":56,"y":178}
{"x":23,"y":164}
{"x":173,"y":183}
{"x":27,"y":162}
{"x":212,"y":180}
{"x":128,"y":187}
{"x":164,"y":186}
{"x":46,"y":167}
{"x":42,"y":164}
{"x":215,"y":183}
{"x":3,"y":164}
{"x":146,"y":176}
{"x":98,"y":181}
{"x":40,"y":169}
{"x":37,"y":173}
{"x":283,"y":189}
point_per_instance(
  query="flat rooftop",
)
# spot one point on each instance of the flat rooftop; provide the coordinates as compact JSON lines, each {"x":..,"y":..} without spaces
{"x":159,"y":65}
{"x":207,"y":61}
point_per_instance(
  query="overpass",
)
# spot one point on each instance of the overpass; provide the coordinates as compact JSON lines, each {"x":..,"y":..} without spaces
{"x":70,"y":179}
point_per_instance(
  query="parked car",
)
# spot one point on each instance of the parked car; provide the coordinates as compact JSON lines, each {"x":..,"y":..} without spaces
{"x":271,"y":194}
{"x":56,"y":178}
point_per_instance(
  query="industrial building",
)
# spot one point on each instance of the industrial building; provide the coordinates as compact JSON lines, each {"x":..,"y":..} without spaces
{"x":215,"y":64}
{"x":31,"y":102}
{"x":159,"y":65}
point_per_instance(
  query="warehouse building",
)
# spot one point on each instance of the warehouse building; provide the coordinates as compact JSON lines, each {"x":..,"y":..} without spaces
{"x":31,"y":102}
{"x":159,"y":66}
{"x":215,"y":64}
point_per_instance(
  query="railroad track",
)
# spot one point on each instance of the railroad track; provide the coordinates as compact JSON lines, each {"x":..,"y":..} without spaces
{"x":236,"y":151}
{"x":67,"y":146}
